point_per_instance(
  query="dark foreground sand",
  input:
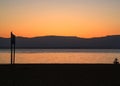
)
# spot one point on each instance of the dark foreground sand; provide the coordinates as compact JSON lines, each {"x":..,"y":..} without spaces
{"x":60,"y":75}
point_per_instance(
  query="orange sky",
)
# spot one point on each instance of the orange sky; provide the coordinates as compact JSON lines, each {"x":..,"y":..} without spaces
{"x":82,"y":18}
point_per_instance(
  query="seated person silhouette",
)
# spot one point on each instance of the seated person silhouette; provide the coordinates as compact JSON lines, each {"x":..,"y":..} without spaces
{"x":116,"y":61}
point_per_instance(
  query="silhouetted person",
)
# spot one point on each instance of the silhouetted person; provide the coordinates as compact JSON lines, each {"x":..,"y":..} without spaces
{"x":116,"y":61}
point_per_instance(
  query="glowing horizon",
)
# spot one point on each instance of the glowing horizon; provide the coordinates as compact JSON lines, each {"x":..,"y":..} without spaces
{"x":81,"y":18}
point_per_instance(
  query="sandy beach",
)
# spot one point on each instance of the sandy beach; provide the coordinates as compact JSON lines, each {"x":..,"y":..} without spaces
{"x":60,"y":75}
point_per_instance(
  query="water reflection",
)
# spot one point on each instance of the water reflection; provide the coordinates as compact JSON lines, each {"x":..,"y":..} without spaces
{"x":61,"y":56}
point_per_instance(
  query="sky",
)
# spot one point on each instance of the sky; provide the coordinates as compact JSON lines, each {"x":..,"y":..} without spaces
{"x":81,"y":18}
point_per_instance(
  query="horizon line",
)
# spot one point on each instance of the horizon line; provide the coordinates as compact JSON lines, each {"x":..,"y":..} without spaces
{"x":64,"y":36}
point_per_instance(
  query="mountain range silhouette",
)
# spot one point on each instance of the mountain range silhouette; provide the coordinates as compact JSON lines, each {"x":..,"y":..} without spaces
{"x":64,"y":42}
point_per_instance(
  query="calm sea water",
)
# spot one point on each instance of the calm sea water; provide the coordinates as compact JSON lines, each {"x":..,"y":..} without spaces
{"x":61,"y":55}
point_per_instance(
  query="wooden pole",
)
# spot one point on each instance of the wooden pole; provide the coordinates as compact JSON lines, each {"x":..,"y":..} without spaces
{"x":14,"y":55}
{"x":11,"y":54}
{"x":12,"y":48}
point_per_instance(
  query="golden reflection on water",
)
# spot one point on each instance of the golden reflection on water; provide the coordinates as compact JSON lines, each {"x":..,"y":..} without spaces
{"x":66,"y":58}
{"x":61,"y":57}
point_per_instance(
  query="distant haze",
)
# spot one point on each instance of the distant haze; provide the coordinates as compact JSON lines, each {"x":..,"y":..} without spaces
{"x":82,"y":18}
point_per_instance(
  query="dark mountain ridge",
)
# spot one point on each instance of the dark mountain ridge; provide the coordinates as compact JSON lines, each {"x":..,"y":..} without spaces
{"x":64,"y":42}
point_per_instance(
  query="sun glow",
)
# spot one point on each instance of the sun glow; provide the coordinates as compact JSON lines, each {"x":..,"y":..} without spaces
{"x":79,"y":18}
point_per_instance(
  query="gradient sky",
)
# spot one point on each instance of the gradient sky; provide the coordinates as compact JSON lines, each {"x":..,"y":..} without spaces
{"x":82,"y":18}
